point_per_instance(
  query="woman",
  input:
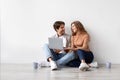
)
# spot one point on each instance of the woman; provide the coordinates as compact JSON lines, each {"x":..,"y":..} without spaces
{"x":79,"y":44}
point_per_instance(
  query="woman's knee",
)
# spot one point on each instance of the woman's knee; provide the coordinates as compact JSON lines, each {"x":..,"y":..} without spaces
{"x":79,"y":51}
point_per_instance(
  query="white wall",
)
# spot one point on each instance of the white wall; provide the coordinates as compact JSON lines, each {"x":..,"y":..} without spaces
{"x":0,"y":31}
{"x":26,"y":24}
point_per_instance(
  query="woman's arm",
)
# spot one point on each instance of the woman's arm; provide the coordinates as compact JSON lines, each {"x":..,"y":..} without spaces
{"x":71,"y":48}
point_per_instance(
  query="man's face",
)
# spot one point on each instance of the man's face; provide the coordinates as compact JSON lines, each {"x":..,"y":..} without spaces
{"x":61,"y":30}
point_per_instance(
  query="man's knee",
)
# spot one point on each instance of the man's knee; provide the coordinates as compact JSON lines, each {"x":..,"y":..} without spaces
{"x":71,"y":55}
{"x":45,"y":45}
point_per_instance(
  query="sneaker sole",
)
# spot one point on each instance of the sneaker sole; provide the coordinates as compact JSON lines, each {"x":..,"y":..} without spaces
{"x":54,"y":69}
{"x":84,"y":69}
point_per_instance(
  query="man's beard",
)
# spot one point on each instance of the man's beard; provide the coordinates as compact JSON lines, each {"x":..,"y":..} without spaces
{"x":63,"y":32}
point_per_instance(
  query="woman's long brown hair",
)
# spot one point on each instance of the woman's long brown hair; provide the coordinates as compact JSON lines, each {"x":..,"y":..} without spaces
{"x":79,"y":26}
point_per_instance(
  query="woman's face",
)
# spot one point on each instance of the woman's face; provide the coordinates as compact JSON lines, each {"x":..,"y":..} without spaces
{"x":73,"y":28}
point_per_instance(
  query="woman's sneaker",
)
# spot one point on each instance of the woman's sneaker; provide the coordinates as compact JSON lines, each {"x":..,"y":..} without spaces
{"x":53,"y":65}
{"x":93,"y":65}
{"x":83,"y":67}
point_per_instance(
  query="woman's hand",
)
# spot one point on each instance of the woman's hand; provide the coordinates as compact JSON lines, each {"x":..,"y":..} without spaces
{"x":70,"y":48}
{"x":67,"y":48}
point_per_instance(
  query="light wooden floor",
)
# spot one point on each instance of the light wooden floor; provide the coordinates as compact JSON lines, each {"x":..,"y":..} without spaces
{"x":26,"y":72}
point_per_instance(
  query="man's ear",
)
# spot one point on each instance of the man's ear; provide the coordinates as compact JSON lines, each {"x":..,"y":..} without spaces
{"x":56,"y":30}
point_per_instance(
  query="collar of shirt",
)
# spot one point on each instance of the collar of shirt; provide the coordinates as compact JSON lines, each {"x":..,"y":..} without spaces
{"x":63,"y":36}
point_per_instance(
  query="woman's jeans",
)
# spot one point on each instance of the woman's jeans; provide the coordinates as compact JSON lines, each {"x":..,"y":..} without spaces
{"x":61,"y":59}
{"x":82,"y":55}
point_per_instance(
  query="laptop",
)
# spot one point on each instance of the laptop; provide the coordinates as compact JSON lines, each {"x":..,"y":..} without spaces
{"x":55,"y":43}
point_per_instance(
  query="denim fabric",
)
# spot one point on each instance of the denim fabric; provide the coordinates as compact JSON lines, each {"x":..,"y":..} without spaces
{"x":86,"y":55}
{"x":61,"y":59}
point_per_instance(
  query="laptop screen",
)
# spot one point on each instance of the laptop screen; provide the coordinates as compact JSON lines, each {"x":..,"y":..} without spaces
{"x":55,"y":43}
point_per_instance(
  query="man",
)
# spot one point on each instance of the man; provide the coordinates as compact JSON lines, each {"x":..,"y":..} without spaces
{"x":59,"y":57}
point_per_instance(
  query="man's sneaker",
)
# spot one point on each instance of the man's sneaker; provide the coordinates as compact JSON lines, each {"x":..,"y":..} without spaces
{"x":93,"y":65}
{"x":44,"y":64}
{"x":53,"y":65}
{"x":83,"y":67}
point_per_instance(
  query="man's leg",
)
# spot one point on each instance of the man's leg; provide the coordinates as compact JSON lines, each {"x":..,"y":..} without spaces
{"x":49,"y":53}
{"x":51,"y":56}
{"x":66,"y":58}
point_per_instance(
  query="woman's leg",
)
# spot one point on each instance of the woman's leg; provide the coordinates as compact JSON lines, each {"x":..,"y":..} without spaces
{"x":74,"y":63}
{"x":85,"y":56}
{"x":81,"y":55}
{"x":89,"y":57}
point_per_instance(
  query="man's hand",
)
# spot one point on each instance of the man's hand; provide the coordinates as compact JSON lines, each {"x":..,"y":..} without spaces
{"x":56,"y":50}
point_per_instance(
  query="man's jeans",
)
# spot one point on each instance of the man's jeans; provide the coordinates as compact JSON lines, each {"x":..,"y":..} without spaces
{"x":61,"y":59}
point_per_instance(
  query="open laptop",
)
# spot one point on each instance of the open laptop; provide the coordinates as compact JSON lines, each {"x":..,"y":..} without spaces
{"x":55,"y":43}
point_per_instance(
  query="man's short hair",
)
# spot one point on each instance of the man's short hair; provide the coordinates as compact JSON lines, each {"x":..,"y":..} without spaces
{"x":57,"y":24}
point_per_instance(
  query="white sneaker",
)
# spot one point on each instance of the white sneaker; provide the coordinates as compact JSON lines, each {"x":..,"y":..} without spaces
{"x":93,"y":65}
{"x":83,"y":67}
{"x":53,"y":65}
{"x":44,"y":64}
